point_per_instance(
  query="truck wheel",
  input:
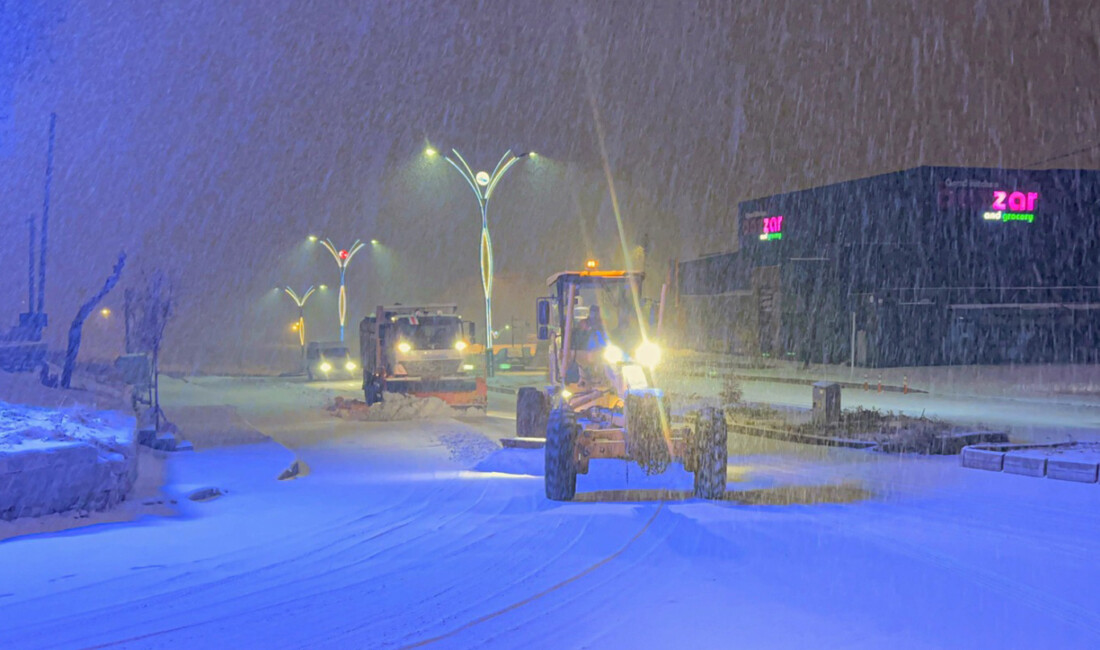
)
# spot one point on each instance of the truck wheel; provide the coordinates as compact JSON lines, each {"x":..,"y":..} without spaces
{"x":532,"y":413}
{"x":710,"y":454}
{"x":372,"y":392}
{"x":561,"y":449}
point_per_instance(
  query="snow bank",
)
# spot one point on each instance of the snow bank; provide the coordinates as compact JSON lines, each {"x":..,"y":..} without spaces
{"x":393,"y":407}
{"x":521,"y":462}
{"x":57,"y":460}
{"x":468,"y":447}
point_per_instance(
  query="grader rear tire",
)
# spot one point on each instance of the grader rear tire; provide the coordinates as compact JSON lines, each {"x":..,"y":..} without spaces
{"x":561,"y":450}
{"x":532,"y":413}
{"x":710,"y":454}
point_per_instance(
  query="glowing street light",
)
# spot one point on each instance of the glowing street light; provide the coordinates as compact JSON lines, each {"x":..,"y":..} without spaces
{"x":300,"y":326}
{"x":343,"y":258}
{"x":483,"y":183}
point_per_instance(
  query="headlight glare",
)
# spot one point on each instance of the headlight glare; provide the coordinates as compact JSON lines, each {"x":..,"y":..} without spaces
{"x":613,"y":354}
{"x":326,"y":366}
{"x":404,"y":347}
{"x":648,"y":354}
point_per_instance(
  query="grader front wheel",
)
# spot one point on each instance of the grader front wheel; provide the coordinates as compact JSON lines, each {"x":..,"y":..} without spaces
{"x":561,"y":451}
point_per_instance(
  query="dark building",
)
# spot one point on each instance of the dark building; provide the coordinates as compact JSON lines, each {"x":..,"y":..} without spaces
{"x":931,"y":265}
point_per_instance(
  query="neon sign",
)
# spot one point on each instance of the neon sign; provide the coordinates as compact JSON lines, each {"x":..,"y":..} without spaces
{"x":1012,"y":206}
{"x":771,"y":228}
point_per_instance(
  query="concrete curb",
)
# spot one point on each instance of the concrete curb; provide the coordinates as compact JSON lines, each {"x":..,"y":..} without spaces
{"x":1025,"y":465}
{"x":791,"y":436}
{"x":1072,"y":470}
{"x":851,"y":385}
{"x":976,"y":458}
{"x":995,"y":457}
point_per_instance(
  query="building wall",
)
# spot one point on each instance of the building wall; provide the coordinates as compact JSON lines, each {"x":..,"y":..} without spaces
{"x":929,"y":275}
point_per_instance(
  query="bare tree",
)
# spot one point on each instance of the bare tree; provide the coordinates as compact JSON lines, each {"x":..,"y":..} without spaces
{"x":77,"y":328}
{"x":147,"y":311}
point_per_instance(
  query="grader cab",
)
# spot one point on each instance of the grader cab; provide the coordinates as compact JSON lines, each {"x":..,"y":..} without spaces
{"x":604,"y":399}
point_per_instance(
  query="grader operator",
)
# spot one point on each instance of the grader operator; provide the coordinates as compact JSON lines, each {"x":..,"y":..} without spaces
{"x":604,"y":399}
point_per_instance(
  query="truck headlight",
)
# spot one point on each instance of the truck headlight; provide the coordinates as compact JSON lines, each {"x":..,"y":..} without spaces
{"x":350,"y":365}
{"x":460,"y":346}
{"x":613,"y":354}
{"x":648,"y":354}
{"x":326,"y":366}
{"x":404,"y":347}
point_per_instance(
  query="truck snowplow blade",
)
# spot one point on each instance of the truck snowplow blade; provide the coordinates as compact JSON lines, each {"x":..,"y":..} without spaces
{"x":455,"y":391}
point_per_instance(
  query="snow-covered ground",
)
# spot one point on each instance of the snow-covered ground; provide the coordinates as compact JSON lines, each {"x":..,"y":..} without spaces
{"x":410,"y":532}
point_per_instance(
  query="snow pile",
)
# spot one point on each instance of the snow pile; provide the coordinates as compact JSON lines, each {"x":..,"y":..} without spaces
{"x":60,"y":460}
{"x":24,"y":427}
{"x":468,"y":447}
{"x":393,"y":407}
{"x":521,"y":462}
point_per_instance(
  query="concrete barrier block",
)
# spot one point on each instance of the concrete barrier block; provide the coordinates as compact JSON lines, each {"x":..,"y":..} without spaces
{"x":38,"y":481}
{"x":1072,"y":470}
{"x":983,"y":459}
{"x":1025,"y":465}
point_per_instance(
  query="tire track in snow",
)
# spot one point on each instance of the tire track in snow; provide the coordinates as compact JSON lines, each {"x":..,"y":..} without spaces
{"x":292,"y":587}
{"x":518,"y":563}
{"x":312,"y":555}
{"x":609,"y":579}
{"x":544,"y":592}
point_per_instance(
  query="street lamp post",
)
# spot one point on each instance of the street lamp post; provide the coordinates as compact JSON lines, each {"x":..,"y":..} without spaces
{"x":300,"y":301}
{"x":483,"y":183}
{"x":343,"y":258}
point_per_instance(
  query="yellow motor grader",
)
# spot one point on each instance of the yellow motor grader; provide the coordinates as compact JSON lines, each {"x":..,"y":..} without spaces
{"x":603,"y":399}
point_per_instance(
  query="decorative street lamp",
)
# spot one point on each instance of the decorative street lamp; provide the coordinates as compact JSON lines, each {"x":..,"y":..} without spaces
{"x":301,"y":302}
{"x":483,"y":183}
{"x":343,"y":258}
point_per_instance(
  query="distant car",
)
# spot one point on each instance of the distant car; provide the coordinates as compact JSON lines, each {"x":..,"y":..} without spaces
{"x":329,"y":361}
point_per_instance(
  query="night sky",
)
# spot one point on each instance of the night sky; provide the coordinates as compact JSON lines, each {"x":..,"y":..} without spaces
{"x":210,"y":138}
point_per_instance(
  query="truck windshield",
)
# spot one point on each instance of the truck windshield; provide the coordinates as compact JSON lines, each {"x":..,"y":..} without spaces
{"x":431,"y":333}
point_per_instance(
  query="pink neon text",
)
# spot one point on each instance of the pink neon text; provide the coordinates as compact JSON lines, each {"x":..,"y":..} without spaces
{"x":1015,"y":201}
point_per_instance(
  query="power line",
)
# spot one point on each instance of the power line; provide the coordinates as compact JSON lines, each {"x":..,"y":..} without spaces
{"x":1065,"y":155}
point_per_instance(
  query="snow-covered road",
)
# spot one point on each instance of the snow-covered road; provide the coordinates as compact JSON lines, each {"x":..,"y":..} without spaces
{"x":409,"y":533}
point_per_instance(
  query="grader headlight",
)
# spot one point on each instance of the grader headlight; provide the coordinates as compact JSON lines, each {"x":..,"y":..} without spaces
{"x":613,"y":354}
{"x":648,"y":354}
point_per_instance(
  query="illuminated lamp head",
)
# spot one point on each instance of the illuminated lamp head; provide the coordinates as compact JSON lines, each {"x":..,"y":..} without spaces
{"x":482,"y":178}
{"x":343,"y":254}
{"x":591,"y":265}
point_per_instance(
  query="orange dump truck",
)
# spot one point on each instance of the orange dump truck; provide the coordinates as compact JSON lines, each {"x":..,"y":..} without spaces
{"x":420,"y":350}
